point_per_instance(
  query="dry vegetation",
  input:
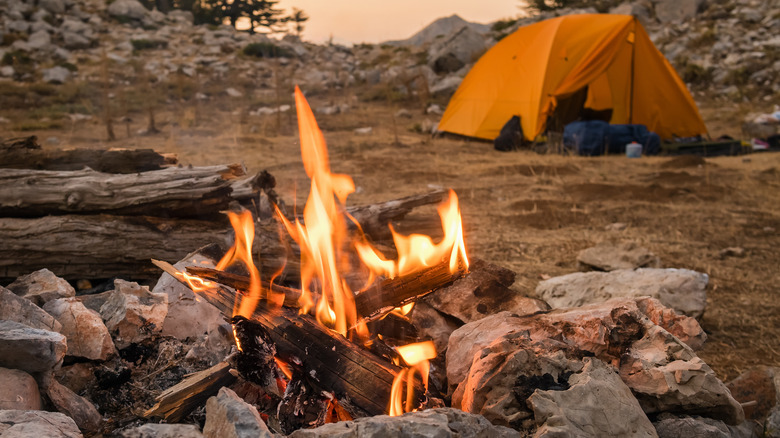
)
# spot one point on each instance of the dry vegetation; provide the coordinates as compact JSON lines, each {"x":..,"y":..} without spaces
{"x":531,"y":213}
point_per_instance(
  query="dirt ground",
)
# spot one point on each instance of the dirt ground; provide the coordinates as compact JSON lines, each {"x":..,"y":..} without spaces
{"x":531,"y":213}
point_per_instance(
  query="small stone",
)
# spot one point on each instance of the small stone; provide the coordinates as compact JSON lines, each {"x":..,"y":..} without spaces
{"x":42,"y":286}
{"x":18,"y":390}
{"x":21,"y":310}
{"x":403,"y":113}
{"x":759,"y":387}
{"x":227,"y":415}
{"x":232,"y":92}
{"x":364,"y":131}
{"x":671,"y":426}
{"x":87,"y":335}
{"x":438,"y":423}
{"x":56,"y":75}
{"x":76,"y":377}
{"x":133,"y":314}
{"x":83,"y":413}
{"x":30,"y":349}
{"x":734,"y":251}
{"x":434,"y":109}
{"x":22,"y":424}
{"x":153,"y":430}
{"x":617,"y":226}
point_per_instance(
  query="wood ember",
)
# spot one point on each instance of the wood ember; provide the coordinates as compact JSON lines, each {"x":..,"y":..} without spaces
{"x":303,"y":406}
{"x":358,"y":378}
{"x":26,"y":153}
{"x":179,"y":400}
{"x":255,"y":358}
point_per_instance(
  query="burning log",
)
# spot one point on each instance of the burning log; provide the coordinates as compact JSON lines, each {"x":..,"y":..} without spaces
{"x":26,"y":153}
{"x":176,"y":402}
{"x":358,"y":378}
{"x":173,"y":192}
{"x":372,"y":303}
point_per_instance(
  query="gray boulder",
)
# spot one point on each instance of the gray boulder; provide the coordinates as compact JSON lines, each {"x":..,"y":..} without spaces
{"x":677,"y":10}
{"x":21,"y":310}
{"x":455,"y":51}
{"x":39,"y":40}
{"x":25,"y":424}
{"x":681,"y":289}
{"x":439,"y":423}
{"x":52,"y":6}
{"x":56,"y":75}
{"x":30,"y":349}
{"x":685,"y":426}
{"x":127,"y":10}
{"x":227,"y":415}
{"x":42,"y":286}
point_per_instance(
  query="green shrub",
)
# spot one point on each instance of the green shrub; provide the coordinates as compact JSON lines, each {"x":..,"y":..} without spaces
{"x":16,"y":57}
{"x":266,"y":50}
{"x":144,"y":44}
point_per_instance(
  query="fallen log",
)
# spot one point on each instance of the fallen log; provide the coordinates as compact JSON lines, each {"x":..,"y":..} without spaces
{"x":25,"y":153}
{"x":104,"y":246}
{"x":189,"y":192}
{"x":358,"y":378}
{"x":176,"y":402}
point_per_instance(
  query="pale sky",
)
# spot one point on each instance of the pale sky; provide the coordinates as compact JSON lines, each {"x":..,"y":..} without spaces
{"x":372,"y":21}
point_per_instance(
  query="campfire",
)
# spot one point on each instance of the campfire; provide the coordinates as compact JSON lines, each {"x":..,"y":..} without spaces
{"x":322,"y":348}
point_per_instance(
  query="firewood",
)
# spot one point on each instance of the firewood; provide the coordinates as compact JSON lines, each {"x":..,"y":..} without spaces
{"x":176,"y":402}
{"x":358,"y":378}
{"x":372,"y":303}
{"x":25,"y":153}
{"x":175,"y":192}
{"x":103,"y":246}
{"x":373,"y":218}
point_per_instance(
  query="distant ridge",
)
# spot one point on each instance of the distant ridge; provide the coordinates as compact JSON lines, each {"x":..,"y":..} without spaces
{"x":441,"y":27}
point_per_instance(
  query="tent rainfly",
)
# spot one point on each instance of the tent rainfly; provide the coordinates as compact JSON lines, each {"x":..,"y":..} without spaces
{"x":530,"y":71}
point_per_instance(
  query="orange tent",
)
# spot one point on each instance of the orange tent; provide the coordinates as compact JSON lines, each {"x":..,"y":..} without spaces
{"x":528,"y":72}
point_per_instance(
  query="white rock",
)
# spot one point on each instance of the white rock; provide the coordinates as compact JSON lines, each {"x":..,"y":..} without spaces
{"x":25,"y":424}
{"x":364,"y":131}
{"x":681,"y":289}
{"x":42,"y":286}
{"x":227,"y":415}
{"x":127,"y":9}
{"x":133,"y":314}
{"x":153,"y":430}
{"x":607,"y":256}
{"x":87,"y":335}
{"x":455,"y":51}
{"x":232,"y":92}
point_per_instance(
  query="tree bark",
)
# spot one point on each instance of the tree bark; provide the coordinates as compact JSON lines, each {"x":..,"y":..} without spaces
{"x":103,"y":246}
{"x":173,"y":192}
{"x":27,"y":154}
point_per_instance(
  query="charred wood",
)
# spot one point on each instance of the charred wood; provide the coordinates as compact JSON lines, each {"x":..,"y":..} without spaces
{"x":357,"y":377}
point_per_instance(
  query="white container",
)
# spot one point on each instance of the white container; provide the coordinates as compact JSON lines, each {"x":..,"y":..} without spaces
{"x":633,"y":150}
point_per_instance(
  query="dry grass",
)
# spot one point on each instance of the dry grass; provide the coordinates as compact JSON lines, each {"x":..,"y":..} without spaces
{"x":531,"y":213}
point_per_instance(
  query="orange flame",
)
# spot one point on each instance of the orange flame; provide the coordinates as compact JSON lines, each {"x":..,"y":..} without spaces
{"x":241,"y":251}
{"x":416,"y":357}
{"x":195,"y":283}
{"x":323,"y":238}
{"x":417,"y":251}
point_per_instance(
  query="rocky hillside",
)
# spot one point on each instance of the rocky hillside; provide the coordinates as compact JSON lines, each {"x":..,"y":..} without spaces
{"x":725,"y":49}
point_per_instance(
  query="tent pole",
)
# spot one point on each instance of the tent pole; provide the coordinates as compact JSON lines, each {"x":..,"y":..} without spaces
{"x":631,"y":94}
